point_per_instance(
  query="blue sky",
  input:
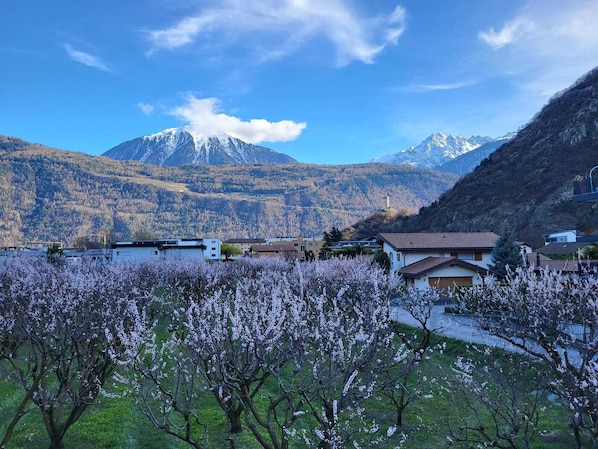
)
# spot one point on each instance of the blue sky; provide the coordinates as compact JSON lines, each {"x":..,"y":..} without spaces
{"x":327,"y":82}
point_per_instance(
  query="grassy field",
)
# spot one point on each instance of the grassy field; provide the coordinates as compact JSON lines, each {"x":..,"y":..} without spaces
{"x":116,"y":423}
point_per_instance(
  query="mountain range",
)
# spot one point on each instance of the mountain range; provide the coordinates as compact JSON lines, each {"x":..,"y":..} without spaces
{"x":438,"y":149}
{"x":467,"y":162}
{"x":181,"y":146}
{"x":527,"y":183}
{"x":55,"y":195}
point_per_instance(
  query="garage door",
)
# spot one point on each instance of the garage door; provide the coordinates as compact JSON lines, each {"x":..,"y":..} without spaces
{"x":448,"y":284}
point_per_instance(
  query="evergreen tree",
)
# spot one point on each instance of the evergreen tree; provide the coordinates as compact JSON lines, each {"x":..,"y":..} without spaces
{"x":334,"y":236}
{"x":330,"y":238}
{"x":506,"y":253}
{"x":590,"y":252}
{"x":382,"y":260}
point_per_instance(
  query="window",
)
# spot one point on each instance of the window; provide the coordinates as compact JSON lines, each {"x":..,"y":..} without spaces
{"x":455,"y":255}
{"x":477,"y":256}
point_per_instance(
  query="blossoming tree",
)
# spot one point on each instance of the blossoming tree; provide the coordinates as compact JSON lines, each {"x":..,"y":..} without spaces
{"x":290,"y":351}
{"x":553,"y":318}
{"x":64,"y":330}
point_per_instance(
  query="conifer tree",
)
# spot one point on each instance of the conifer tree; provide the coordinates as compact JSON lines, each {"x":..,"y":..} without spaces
{"x":506,"y":253}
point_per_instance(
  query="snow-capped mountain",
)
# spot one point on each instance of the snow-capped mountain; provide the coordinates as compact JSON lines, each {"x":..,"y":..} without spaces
{"x":181,"y":146}
{"x":436,"y":150}
{"x":467,"y":162}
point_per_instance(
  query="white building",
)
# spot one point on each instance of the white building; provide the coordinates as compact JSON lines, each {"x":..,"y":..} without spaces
{"x":166,"y":249}
{"x":405,"y":248}
{"x":443,"y":273}
{"x":560,"y":237}
{"x":442,"y":259}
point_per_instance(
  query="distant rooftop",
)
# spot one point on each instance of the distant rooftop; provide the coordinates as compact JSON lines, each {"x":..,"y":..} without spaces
{"x":421,"y":241}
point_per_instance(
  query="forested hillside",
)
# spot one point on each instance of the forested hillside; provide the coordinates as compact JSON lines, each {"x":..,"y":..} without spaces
{"x":48,"y":194}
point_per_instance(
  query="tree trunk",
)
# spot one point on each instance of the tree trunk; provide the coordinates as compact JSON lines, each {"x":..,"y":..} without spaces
{"x":233,"y":415}
{"x":56,"y":442}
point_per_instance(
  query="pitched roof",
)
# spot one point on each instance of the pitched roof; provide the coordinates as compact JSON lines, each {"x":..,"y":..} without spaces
{"x":564,"y":266}
{"x":430,"y":264}
{"x":273,"y":248}
{"x":554,"y":248}
{"x":422,"y":241}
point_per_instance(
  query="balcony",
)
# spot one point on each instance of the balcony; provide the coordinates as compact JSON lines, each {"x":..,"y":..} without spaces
{"x":587,"y":190}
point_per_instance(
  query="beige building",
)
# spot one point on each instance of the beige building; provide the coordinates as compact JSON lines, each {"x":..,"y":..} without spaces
{"x":299,"y":248}
{"x":245,"y":244}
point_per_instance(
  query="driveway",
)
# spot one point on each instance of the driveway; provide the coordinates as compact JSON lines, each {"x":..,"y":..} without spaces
{"x":454,"y":326}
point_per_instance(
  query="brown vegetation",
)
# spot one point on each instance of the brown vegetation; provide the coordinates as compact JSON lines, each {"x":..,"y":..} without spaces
{"x":49,"y":194}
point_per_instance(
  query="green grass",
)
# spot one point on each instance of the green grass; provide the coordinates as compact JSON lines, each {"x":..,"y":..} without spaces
{"x":115,"y":423}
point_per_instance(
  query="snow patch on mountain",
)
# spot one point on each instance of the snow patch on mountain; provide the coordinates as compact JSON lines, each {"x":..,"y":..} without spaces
{"x":180,"y":146}
{"x":436,"y":150}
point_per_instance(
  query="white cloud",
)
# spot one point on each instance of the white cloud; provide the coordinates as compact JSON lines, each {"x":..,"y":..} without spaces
{"x":203,"y":116}
{"x":286,"y":25}
{"x":511,"y":32}
{"x":146,"y":108}
{"x":85,"y":58}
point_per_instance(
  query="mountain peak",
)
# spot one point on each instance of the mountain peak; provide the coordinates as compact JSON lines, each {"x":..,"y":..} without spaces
{"x":437,"y":149}
{"x":188,"y":130}
{"x":183,"y":145}
{"x":528,"y":182}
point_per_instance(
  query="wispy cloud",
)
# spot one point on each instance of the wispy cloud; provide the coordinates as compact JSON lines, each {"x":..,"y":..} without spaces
{"x":282,"y":26}
{"x":437,"y":87}
{"x":203,"y":115}
{"x":509,"y":33}
{"x":547,"y":44}
{"x":85,"y":58}
{"x":146,"y":108}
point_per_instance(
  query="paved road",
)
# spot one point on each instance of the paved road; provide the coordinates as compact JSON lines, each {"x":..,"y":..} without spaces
{"x":455,"y":326}
{"x":464,"y":328}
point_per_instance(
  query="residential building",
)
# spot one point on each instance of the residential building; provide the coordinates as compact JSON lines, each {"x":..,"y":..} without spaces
{"x":586,"y":190}
{"x":406,"y":248}
{"x":166,"y":249}
{"x":559,"y":237}
{"x":366,"y":244}
{"x":565,"y":250}
{"x":245,"y":244}
{"x":289,"y":252}
{"x":300,"y":244}
{"x":444,"y":273}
